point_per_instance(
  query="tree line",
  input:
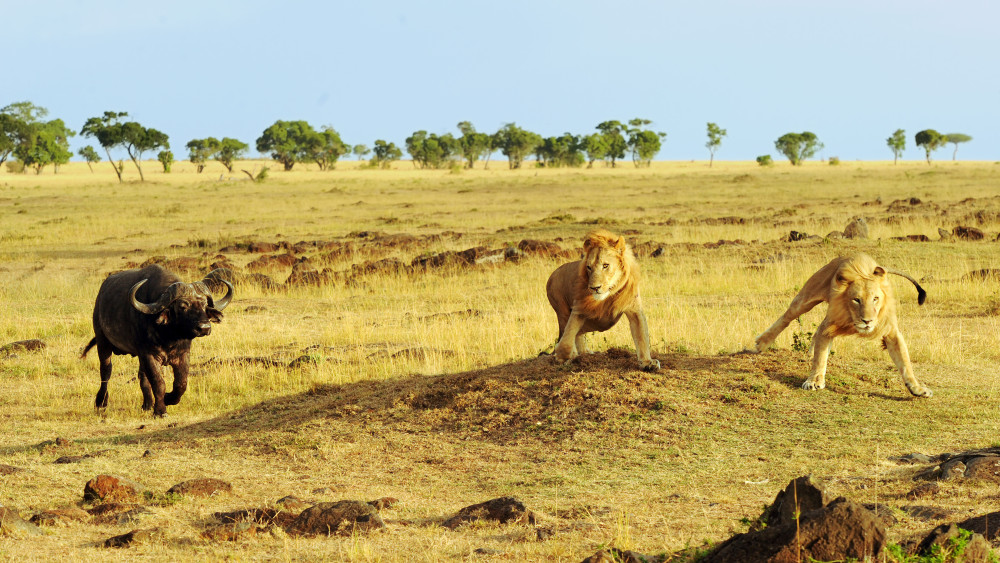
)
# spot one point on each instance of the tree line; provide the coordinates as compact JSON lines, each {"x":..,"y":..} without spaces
{"x":34,"y":143}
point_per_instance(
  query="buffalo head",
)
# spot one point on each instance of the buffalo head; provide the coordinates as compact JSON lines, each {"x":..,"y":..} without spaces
{"x":187,"y":308}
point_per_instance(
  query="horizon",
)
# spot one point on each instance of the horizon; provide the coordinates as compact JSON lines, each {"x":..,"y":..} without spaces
{"x":851,"y":74}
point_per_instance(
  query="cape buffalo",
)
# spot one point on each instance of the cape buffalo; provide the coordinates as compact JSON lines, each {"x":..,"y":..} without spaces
{"x":152,"y":314}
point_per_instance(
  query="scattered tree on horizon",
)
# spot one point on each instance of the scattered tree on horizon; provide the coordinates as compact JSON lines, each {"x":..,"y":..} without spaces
{"x":90,"y":155}
{"x":614,"y":139}
{"x":287,"y":141}
{"x":166,"y":158}
{"x":564,"y":150}
{"x":107,"y":129}
{"x":643,"y":143}
{"x":956,"y":138}
{"x":715,"y":135}
{"x":431,"y":150}
{"x":798,"y":146}
{"x":931,"y":141}
{"x":200,"y":150}
{"x":596,"y":147}
{"x":516,"y":143}
{"x":46,"y":143}
{"x":361,"y":151}
{"x":325,"y":147}
{"x":228,"y":150}
{"x":897,"y":143}
{"x":385,"y":154}
{"x":138,"y":139}
{"x":472,"y":144}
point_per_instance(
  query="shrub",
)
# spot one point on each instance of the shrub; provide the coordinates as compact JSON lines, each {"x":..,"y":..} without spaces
{"x":834,"y":160}
{"x":765,"y":160}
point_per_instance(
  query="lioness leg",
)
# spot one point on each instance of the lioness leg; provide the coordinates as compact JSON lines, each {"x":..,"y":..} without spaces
{"x":800,"y":305}
{"x":566,"y":348}
{"x":640,"y":335}
{"x":821,"y":352}
{"x":896,"y":346}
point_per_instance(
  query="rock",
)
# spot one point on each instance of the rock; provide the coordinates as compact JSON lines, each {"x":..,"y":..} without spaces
{"x":915,"y":458}
{"x":984,"y":467}
{"x":988,"y":525}
{"x":33,"y":345}
{"x":883,"y":513}
{"x":540,"y":248}
{"x":913,"y":238}
{"x":259,"y":247}
{"x":923,"y":490}
{"x":117,"y":513}
{"x":502,"y":510}
{"x":70,"y":459}
{"x":343,"y":517}
{"x":111,"y":488}
{"x":946,"y":236}
{"x":808,"y":491}
{"x":60,"y":516}
{"x":233,"y":531}
{"x":270,"y":262}
{"x":975,"y":551}
{"x":835,"y":235}
{"x":204,"y":487}
{"x":857,"y":228}
{"x":985,"y":274}
{"x":968,"y":233}
{"x":952,"y":469}
{"x":11,"y":524}
{"x":840,"y":530}
{"x":133,"y":537}
{"x":9,"y":469}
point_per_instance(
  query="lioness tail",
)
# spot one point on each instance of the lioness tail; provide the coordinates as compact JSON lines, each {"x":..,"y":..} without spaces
{"x":921,"y":294}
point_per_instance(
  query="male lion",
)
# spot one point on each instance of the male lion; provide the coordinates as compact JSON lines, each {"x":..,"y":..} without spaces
{"x":592,"y":294}
{"x":860,"y":301}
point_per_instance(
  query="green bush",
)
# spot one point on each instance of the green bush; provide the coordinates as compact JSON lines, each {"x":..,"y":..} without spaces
{"x":765,"y":160}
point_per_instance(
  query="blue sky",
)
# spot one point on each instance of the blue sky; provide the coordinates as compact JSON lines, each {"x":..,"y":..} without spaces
{"x":852,"y":72}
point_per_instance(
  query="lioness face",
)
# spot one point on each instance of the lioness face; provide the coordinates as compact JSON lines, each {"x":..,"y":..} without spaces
{"x":864,"y":299}
{"x":604,"y":272}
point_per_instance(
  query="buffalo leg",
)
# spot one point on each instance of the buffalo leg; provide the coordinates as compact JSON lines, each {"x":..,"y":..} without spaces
{"x":151,"y":367}
{"x":104,"y":356}
{"x":180,"y":367}
{"x":147,"y":390}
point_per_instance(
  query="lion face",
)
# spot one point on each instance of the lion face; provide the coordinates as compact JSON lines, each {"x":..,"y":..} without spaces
{"x":864,"y":299}
{"x":603,"y":268}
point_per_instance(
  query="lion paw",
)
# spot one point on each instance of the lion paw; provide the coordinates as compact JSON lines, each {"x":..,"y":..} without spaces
{"x":920,"y":391}
{"x":810,"y":385}
{"x":650,"y":366}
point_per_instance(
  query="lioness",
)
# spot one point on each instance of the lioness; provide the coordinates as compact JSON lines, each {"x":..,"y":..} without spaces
{"x":860,"y":301}
{"x":592,"y":294}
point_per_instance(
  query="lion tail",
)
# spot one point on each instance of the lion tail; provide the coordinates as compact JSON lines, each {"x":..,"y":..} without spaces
{"x":921,"y":294}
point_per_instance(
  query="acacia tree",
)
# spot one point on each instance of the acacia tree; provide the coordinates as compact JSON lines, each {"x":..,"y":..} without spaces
{"x":516,"y":143}
{"x":956,"y":138}
{"x":643,"y":143}
{"x":360,"y":151}
{"x":107,"y":129}
{"x":798,"y":146}
{"x":287,"y":141}
{"x":166,"y":158}
{"x":19,"y":127}
{"x":931,"y":141}
{"x":47,"y":143}
{"x":385,"y":154}
{"x":897,"y":143}
{"x":565,"y":150}
{"x":715,"y":135}
{"x":614,"y":138}
{"x":472,"y":145}
{"x":90,"y":155}
{"x":228,"y":150}
{"x":138,"y":139}
{"x":200,"y":150}
{"x":324,"y":147}
{"x":596,"y":147}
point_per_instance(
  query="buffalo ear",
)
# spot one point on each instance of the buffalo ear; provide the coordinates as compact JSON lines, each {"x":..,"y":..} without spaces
{"x":164,"y":317}
{"x":214,"y":314}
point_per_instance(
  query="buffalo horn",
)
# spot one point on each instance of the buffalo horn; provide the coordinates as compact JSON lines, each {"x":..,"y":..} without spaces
{"x":152,"y":309}
{"x":220,"y":303}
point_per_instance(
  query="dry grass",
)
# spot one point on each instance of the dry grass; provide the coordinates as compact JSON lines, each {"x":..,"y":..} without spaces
{"x":426,"y":386}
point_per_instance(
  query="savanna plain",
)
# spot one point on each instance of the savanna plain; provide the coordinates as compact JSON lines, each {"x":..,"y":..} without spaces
{"x":387,"y":367}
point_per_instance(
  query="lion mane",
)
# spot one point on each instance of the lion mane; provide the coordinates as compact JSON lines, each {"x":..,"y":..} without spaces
{"x":592,"y":295}
{"x":626,"y":291}
{"x":860,"y":301}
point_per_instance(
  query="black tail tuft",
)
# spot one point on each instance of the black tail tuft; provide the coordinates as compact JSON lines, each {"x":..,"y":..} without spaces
{"x":921,"y":295}
{"x":91,"y":344}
